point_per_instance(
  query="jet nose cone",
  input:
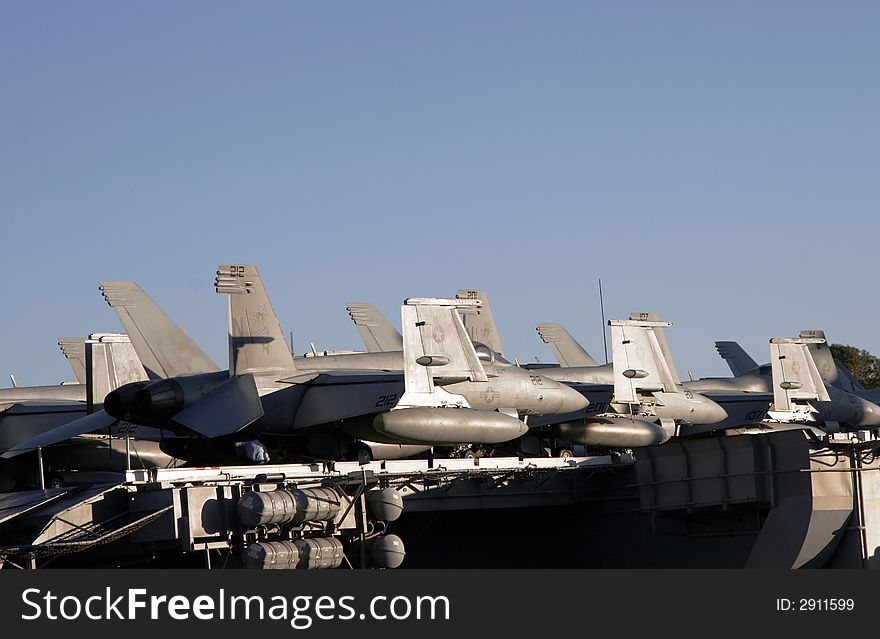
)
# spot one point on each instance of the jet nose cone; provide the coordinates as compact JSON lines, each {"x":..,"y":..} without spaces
{"x":712,"y":412}
{"x":870,"y":414}
{"x":570,"y":400}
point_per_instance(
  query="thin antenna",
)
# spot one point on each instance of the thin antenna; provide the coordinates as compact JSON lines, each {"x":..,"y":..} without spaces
{"x":604,"y":331}
{"x":291,"y":343}
{"x":12,"y":377}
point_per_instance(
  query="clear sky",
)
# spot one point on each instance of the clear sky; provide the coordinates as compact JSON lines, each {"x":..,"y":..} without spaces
{"x":714,"y":162}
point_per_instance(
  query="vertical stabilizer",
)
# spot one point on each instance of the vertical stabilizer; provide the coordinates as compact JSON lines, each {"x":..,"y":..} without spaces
{"x":661,"y":340}
{"x":638,"y":360}
{"x":566,"y":349}
{"x":377,"y":333}
{"x":795,"y":375}
{"x":435,"y":344}
{"x":821,"y":354}
{"x":74,"y":350}
{"x":479,"y":321}
{"x":111,"y":362}
{"x":736,"y":357}
{"x":164,"y":348}
{"x":256,"y":340}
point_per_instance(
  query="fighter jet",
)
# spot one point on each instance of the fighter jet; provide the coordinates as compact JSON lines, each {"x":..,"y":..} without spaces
{"x":831,"y":370}
{"x":642,"y":372}
{"x":27,"y":410}
{"x":799,"y":377}
{"x":108,"y":361}
{"x":743,"y":405}
{"x":257,"y":349}
{"x":593,"y":426}
{"x":269,"y":394}
{"x":379,"y":336}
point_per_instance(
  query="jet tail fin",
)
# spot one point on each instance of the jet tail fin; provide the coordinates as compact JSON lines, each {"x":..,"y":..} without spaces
{"x":74,"y":349}
{"x":638,"y":360}
{"x":256,"y":340}
{"x":736,"y":357}
{"x":661,"y":340}
{"x":479,"y":321}
{"x":162,"y":345}
{"x":795,"y":375}
{"x":566,"y":349}
{"x":822,"y":355}
{"x":435,"y":344}
{"x":111,"y":362}
{"x":377,"y":333}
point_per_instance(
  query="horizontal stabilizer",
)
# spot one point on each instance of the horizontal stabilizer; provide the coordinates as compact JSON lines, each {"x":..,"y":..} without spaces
{"x":88,"y":424}
{"x":377,"y":333}
{"x":737,"y":359}
{"x":226,"y":410}
{"x":566,"y":349}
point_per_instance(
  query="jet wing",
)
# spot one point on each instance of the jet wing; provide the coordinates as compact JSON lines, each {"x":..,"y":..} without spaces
{"x":74,"y":428}
{"x":24,"y":420}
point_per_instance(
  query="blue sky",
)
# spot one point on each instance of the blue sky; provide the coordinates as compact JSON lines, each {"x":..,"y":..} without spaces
{"x":716,"y":163}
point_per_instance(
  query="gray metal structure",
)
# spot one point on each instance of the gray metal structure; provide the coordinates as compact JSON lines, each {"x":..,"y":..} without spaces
{"x":784,"y":500}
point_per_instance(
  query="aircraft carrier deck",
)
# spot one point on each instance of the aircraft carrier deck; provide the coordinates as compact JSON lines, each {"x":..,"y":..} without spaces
{"x":774,"y":500}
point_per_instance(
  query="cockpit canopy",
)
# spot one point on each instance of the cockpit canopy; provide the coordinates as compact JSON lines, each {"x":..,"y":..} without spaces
{"x":487,"y":355}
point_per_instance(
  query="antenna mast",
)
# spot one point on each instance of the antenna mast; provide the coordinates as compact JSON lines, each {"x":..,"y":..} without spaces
{"x":602,"y":306}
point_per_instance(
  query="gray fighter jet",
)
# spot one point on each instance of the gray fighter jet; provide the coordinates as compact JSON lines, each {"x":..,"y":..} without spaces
{"x":257,"y":349}
{"x":642,"y":372}
{"x":379,"y":336}
{"x":801,"y":375}
{"x":831,"y":370}
{"x":270,"y":395}
{"x":26,"y":411}
{"x":33,"y":412}
{"x":741,"y":405}
{"x":594,"y":426}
